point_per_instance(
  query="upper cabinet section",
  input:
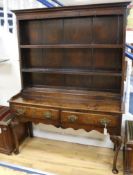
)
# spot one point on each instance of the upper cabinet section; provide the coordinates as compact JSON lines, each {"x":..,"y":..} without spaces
{"x":84,"y":30}
{"x":85,"y":25}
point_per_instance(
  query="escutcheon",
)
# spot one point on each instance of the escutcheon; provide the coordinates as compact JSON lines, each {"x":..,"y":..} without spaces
{"x":105,"y":121}
{"x":72,"y":118}
{"x":48,"y":115}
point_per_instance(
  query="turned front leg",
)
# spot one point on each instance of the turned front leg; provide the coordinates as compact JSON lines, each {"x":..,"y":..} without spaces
{"x":117,"y":140}
{"x":30,"y":128}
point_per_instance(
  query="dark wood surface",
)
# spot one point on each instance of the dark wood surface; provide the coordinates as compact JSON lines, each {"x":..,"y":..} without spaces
{"x":72,"y":68}
{"x":7,"y":140}
{"x":70,"y":99}
{"x":128,"y":149}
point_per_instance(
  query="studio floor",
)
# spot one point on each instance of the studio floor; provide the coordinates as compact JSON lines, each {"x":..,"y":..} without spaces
{"x":64,"y":158}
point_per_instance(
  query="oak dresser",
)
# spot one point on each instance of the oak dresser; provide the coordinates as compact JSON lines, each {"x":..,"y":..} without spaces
{"x":72,"y":68}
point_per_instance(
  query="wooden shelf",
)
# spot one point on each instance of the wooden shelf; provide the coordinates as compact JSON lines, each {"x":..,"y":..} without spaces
{"x":70,"y":88}
{"x":73,"y":71}
{"x":74,"y":46}
{"x":42,"y":89}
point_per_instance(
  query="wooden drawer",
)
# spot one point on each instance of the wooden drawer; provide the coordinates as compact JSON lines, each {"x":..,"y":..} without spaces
{"x":90,"y":119}
{"x":35,"y":112}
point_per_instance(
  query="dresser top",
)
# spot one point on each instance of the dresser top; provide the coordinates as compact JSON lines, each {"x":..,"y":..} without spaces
{"x":73,"y":11}
{"x":97,"y":4}
{"x":88,"y":101}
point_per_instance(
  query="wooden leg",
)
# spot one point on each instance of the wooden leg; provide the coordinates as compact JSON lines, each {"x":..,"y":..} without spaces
{"x":114,"y":147}
{"x":16,"y":142}
{"x":117,"y":140}
{"x":30,"y":127}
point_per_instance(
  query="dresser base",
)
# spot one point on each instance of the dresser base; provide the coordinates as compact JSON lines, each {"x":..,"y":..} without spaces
{"x":117,"y":140}
{"x":70,"y":109}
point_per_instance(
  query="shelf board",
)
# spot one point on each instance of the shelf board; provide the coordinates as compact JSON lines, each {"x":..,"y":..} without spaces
{"x":74,"y":46}
{"x":108,"y":93}
{"x":49,"y":89}
{"x":73,"y":71}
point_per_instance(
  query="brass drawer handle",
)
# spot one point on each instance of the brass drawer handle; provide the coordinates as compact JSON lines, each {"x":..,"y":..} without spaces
{"x":105,"y":121}
{"x":48,"y":115}
{"x":20,"y":112}
{"x":72,"y":118}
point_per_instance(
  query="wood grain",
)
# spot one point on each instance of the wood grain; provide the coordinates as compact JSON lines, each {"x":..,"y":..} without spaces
{"x":65,"y":158}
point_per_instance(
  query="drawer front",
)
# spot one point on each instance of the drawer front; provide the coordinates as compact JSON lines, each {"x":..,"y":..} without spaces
{"x":35,"y":112}
{"x":90,"y":119}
